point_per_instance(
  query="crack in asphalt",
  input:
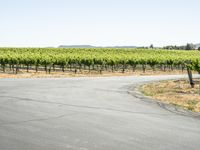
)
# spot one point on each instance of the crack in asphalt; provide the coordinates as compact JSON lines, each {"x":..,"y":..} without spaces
{"x":36,"y":120}
{"x":114,"y":91}
{"x":88,"y":107}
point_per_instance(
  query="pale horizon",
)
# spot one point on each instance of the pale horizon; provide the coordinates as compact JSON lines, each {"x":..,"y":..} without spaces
{"x":50,"y":23}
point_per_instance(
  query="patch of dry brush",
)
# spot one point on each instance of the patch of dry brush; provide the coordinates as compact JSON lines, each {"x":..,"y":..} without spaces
{"x":177,"y":93}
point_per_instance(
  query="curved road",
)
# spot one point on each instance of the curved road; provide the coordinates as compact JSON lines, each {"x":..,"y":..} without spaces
{"x":90,"y":114}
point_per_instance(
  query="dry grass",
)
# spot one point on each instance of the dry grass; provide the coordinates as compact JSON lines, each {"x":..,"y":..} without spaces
{"x":177,"y":93}
{"x":42,"y":74}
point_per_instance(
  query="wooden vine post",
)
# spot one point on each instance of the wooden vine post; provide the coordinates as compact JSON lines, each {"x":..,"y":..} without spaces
{"x":189,"y":71}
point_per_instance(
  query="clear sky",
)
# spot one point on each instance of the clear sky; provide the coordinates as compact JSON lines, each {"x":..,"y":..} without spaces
{"x":41,"y":23}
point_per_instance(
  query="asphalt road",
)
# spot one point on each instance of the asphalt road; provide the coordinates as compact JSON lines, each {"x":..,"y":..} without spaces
{"x":90,"y":114}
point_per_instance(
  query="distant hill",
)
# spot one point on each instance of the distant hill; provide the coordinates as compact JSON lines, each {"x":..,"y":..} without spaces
{"x":120,"y":47}
{"x":76,"y":46}
{"x":197,"y":45}
{"x":90,"y":46}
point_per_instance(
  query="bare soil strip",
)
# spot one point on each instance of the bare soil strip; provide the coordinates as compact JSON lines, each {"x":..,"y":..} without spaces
{"x":42,"y":74}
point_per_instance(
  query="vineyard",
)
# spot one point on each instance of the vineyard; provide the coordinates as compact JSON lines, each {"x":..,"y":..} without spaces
{"x":95,"y":59}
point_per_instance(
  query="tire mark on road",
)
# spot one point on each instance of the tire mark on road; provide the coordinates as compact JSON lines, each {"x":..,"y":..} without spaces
{"x":89,"y":107}
{"x":36,"y":120}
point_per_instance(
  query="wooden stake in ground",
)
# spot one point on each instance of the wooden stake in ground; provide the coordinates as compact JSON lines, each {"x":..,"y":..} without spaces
{"x":190,"y":77}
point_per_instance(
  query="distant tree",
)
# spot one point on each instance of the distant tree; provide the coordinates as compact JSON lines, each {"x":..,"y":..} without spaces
{"x":190,"y":46}
{"x":182,"y":47}
{"x":174,"y":47}
{"x":151,"y":46}
{"x":199,"y":48}
{"x":142,"y":47}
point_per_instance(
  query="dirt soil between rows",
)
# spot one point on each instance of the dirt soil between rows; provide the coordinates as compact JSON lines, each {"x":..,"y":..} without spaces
{"x":42,"y":74}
